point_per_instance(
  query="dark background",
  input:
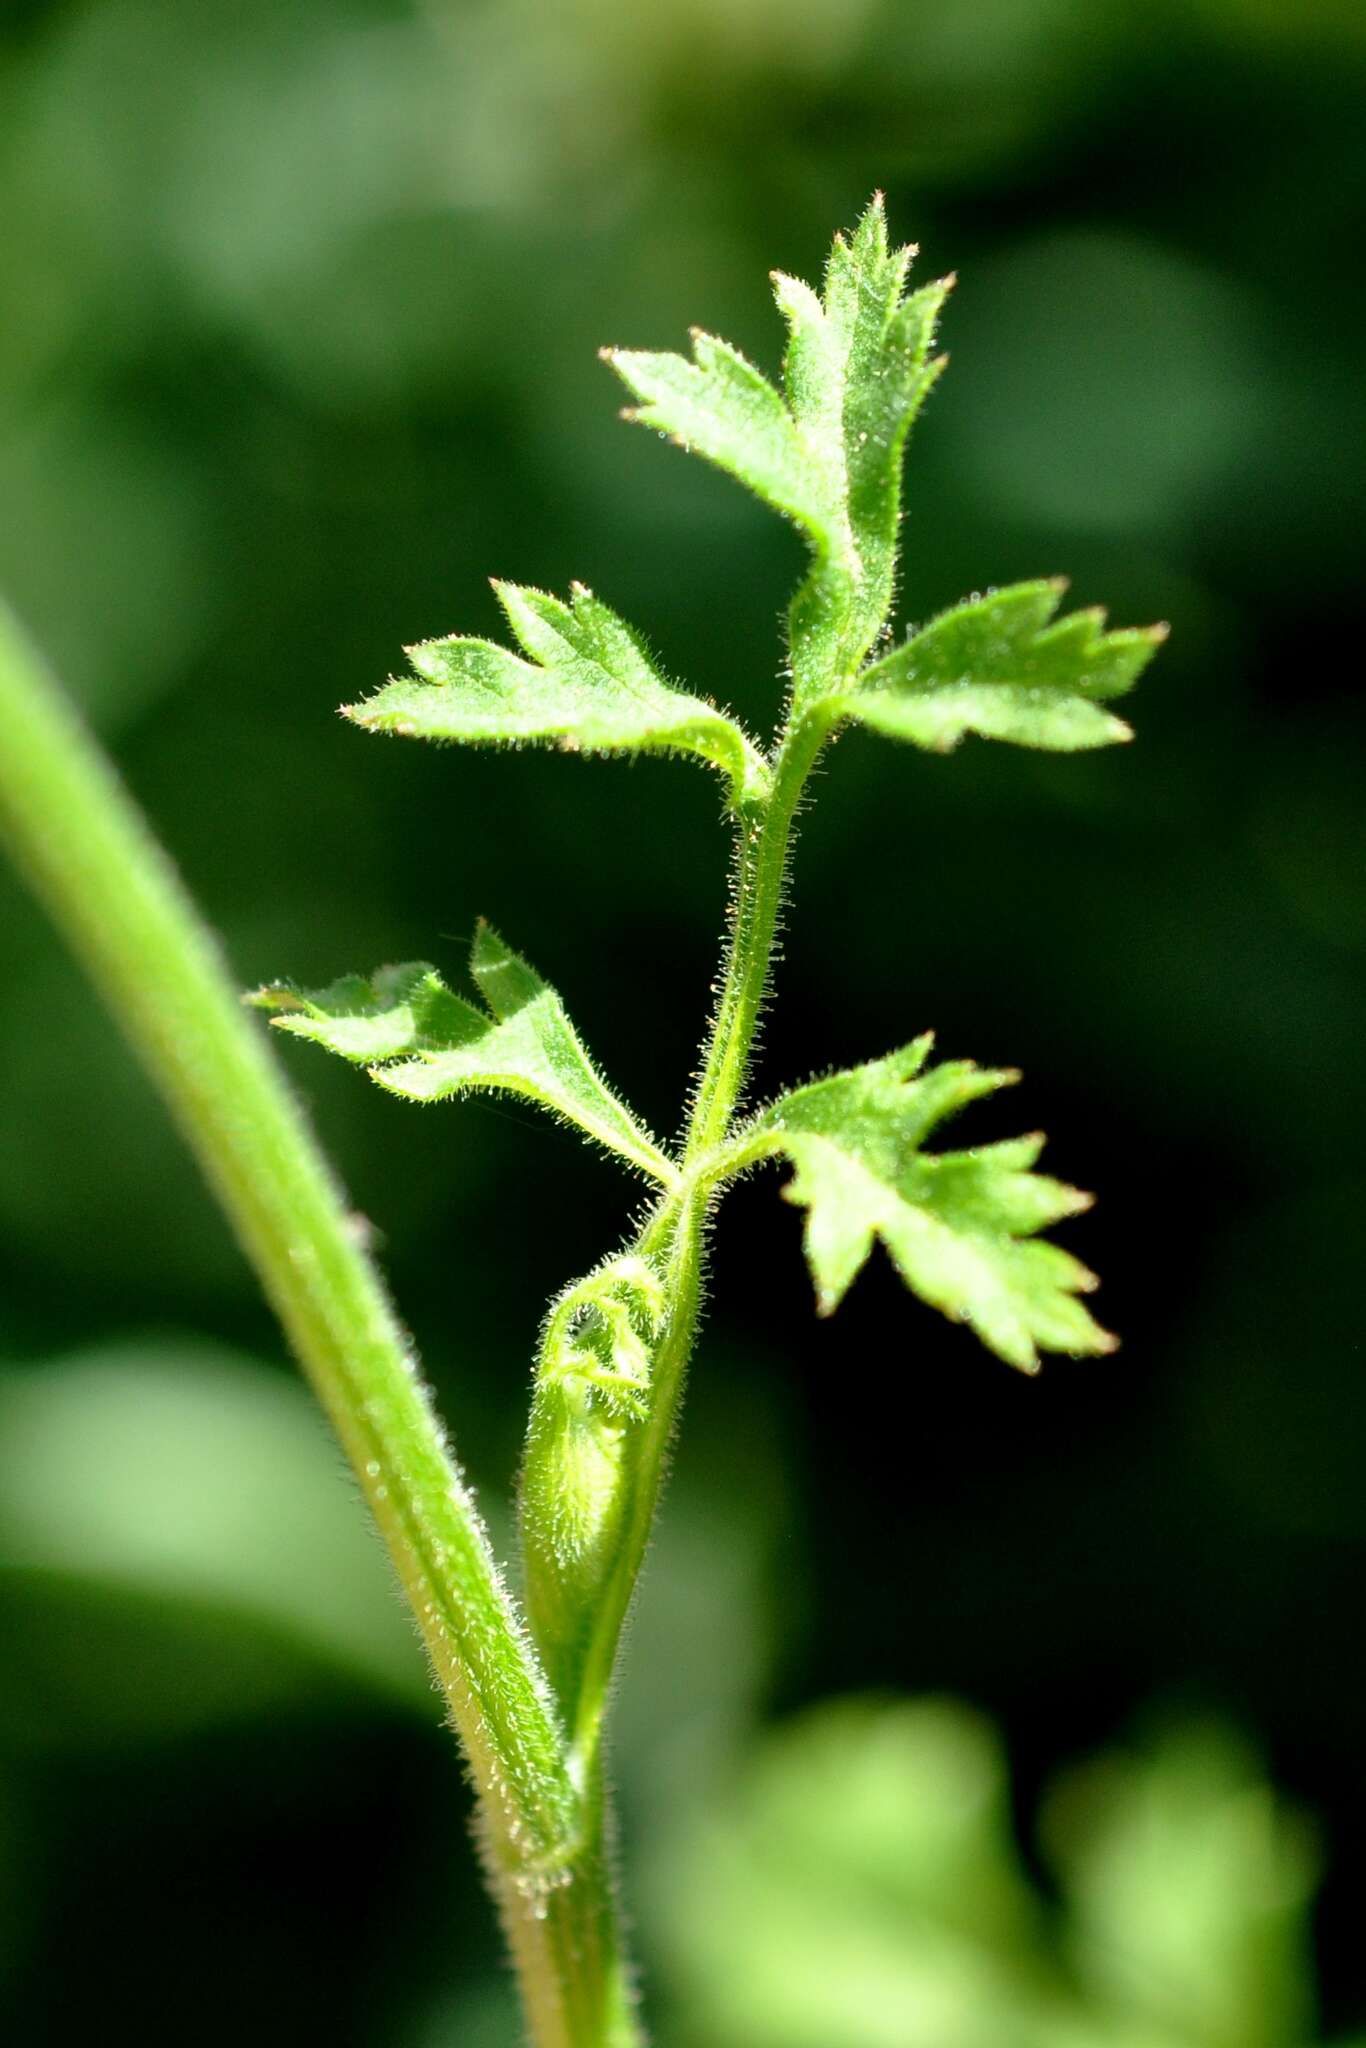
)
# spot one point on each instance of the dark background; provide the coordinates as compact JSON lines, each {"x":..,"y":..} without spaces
{"x":300,"y":311}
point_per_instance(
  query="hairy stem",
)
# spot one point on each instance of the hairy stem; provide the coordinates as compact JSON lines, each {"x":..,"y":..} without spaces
{"x":676,"y":1233}
{"x":74,"y":831}
{"x":765,"y":839}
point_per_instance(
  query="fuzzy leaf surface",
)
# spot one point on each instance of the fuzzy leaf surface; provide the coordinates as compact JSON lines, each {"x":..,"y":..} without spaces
{"x":857,"y":371}
{"x":960,"y":1226}
{"x":1003,"y":666}
{"x":718,"y":405}
{"x":421,"y":1041}
{"x":827,"y":451}
{"x":586,"y":684}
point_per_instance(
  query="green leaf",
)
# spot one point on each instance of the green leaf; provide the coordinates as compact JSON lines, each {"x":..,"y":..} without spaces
{"x":1188,"y":1885}
{"x":858,"y":370}
{"x":720,"y":406}
{"x":587,"y":684}
{"x":1000,"y":665}
{"x":171,"y":1482}
{"x":393,"y":1013}
{"x":421,"y":1041}
{"x":828,"y":451}
{"x":854,"y":1881}
{"x":960,"y":1226}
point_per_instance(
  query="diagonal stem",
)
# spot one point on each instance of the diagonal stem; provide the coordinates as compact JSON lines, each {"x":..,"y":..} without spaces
{"x":76,"y":834}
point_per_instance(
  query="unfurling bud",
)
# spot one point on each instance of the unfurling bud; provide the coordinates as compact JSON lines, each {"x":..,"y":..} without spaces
{"x":591,"y":1394}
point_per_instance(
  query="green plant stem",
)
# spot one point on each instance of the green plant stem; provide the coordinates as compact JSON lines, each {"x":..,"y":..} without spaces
{"x":676,"y":1233}
{"x":765,"y":840}
{"x":110,"y":889}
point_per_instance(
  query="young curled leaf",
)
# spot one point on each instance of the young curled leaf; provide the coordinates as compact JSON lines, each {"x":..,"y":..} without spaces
{"x":421,"y":1041}
{"x":591,"y":1391}
{"x":587,"y":684}
{"x":1002,"y":666}
{"x":960,"y":1226}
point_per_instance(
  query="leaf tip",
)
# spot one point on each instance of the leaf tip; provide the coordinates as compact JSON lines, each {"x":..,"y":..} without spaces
{"x":488,"y":947}
{"x":271,"y":995}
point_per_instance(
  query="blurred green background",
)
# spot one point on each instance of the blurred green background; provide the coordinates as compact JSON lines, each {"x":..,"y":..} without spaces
{"x":300,"y":310}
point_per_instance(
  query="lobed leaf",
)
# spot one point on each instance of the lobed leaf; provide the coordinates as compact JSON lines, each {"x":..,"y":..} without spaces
{"x":720,"y":406}
{"x":587,"y":684}
{"x":857,"y":371}
{"x":960,"y":1226}
{"x":392,"y":1013}
{"x":827,"y":452}
{"x":421,"y":1041}
{"x":1001,"y":666}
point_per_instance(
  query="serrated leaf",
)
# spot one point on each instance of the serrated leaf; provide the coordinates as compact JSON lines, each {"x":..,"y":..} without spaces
{"x":422,"y":1042}
{"x":827,"y":452}
{"x":857,"y":371}
{"x":587,"y":684}
{"x":1000,"y":665}
{"x":960,"y":1226}
{"x":720,"y":406}
{"x":384,"y":1017}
